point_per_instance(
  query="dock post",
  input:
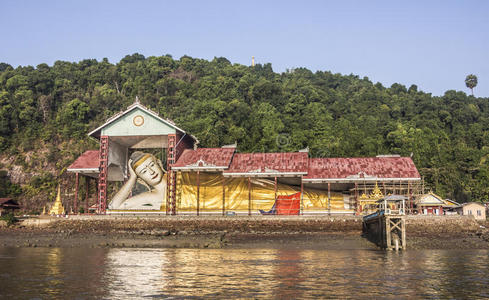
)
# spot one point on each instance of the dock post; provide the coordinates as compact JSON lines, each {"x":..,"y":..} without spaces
{"x":388,"y":238}
{"x":403,"y":226}
{"x":381,"y":233}
{"x":387,"y":231}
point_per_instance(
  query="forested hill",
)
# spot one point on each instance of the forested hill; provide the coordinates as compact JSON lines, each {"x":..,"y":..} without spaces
{"x":46,"y":112}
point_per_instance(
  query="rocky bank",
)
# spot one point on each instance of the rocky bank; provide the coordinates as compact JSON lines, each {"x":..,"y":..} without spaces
{"x":303,"y":232}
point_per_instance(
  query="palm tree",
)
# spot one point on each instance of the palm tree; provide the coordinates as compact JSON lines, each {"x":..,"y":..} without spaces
{"x":471,"y":82}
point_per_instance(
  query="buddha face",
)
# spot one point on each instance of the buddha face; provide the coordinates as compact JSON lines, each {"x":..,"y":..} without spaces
{"x":149,"y":171}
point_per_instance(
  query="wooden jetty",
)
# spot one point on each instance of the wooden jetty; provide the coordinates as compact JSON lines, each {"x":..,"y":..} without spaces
{"x":387,"y":226}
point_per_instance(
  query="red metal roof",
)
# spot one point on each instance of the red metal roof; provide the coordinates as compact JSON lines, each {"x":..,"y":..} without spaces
{"x":362,"y":167}
{"x":9,"y":203}
{"x":3,"y":200}
{"x":205,"y":158}
{"x":88,"y":160}
{"x":286,"y":163}
{"x":277,"y":164}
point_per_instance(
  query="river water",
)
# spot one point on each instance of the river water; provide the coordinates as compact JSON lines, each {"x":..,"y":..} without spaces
{"x":74,"y":273}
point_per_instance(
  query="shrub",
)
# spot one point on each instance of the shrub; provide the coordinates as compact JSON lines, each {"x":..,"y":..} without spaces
{"x":9,"y":218}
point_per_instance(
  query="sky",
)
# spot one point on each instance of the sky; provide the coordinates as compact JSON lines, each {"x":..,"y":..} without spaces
{"x":433,"y":44}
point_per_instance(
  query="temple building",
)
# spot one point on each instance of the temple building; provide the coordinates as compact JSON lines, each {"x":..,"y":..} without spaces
{"x":175,"y":176}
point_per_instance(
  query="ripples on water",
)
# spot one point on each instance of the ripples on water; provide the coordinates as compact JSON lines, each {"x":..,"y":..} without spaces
{"x":241,"y":273}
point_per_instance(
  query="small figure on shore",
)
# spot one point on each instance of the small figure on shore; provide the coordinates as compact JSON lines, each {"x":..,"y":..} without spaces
{"x":148,"y":170}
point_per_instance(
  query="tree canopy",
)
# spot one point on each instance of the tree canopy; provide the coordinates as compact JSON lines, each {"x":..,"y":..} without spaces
{"x":471,"y":82}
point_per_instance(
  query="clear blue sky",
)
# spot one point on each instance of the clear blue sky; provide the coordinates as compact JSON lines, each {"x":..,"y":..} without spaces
{"x":433,"y":44}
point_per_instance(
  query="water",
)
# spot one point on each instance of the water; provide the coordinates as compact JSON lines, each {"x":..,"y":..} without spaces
{"x":55,"y":273}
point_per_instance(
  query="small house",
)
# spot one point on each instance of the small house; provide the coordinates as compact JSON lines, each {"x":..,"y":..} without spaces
{"x":478,"y":210}
{"x":430,"y":204}
{"x":8,"y":205}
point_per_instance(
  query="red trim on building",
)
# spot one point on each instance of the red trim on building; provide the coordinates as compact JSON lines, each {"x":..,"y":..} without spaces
{"x":171,"y":177}
{"x":102,"y":179}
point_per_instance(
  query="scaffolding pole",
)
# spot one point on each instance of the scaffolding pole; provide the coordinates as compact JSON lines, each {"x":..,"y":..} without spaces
{"x":223,"y":195}
{"x":198,"y":192}
{"x":87,"y":193}
{"x":249,"y":196}
{"x":77,"y":186}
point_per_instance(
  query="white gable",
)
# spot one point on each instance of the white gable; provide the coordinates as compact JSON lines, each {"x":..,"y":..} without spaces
{"x":430,"y":199}
{"x":137,"y":120}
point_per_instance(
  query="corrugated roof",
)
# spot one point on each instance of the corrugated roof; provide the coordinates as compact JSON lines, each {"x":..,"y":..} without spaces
{"x":205,"y":158}
{"x":9,"y":203}
{"x":362,"y":167}
{"x":268,"y":164}
{"x":467,"y":203}
{"x":279,"y":164}
{"x":88,"y":160}
{"x":3,"y":200}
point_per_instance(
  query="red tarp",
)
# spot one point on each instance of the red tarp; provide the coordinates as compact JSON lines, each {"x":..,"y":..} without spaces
{"x":288,"y":205}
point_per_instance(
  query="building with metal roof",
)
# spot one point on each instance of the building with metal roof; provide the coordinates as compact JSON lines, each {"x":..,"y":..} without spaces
{"x":8,"y":205}
{"x":326,"y":184}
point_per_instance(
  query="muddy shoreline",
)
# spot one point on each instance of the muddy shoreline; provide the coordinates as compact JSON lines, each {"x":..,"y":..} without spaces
{"x":338,"y":233}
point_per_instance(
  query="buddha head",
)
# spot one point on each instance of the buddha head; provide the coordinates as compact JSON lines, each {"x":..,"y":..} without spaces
{"x":147,"y":167}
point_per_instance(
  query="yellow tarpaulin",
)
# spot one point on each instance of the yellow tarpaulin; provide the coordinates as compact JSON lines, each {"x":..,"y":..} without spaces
{"x":237,"y":194}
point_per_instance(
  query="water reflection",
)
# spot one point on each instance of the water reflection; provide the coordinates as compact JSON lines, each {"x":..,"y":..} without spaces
{"x":288,"y":274}
{"x":301,"y":274}
{"x":51,"y":273}
{"x":134,"y":273}
{"x":53,"y":263}
{"x":242,"y":273}
{"x":216,"y":273}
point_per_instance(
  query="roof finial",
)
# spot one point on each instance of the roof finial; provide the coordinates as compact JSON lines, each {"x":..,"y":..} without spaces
{"x":137,"y":99}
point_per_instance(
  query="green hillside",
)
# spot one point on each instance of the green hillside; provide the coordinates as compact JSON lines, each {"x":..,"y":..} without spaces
{"x":47,"y":111}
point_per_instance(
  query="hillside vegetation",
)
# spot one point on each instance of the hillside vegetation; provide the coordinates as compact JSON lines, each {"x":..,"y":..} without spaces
{"x":47,"y":111}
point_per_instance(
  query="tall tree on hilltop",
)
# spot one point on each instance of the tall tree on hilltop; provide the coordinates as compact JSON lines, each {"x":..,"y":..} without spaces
{"x":471,"y":82}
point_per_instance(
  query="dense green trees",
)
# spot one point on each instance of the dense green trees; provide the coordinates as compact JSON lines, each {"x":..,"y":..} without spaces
{"x":6,"y":187}
{"x":45,"y":113}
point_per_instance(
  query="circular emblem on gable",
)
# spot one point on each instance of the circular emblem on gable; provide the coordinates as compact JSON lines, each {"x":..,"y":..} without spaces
{"x":138,"y":120}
